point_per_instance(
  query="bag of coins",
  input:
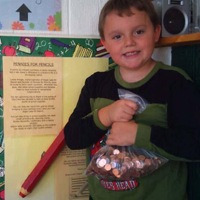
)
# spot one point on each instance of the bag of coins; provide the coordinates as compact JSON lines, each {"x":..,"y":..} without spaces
{"x":123,"y":163}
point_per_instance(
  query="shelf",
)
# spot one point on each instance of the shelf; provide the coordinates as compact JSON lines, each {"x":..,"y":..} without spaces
{"x":189,"y":39}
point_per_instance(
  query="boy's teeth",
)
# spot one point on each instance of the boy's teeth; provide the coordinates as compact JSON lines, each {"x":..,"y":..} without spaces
{"x":132,"y":53}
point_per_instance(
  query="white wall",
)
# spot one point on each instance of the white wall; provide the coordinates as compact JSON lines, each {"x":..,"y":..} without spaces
{"x":80,"y":19}
{"x":163,"y":54}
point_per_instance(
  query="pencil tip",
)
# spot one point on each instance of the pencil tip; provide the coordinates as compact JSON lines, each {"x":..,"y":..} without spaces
{"x":22,"y":195}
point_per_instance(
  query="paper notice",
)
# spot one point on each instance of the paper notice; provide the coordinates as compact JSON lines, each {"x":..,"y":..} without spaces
{"x":32,"y":95}
{"x":71,"y":167}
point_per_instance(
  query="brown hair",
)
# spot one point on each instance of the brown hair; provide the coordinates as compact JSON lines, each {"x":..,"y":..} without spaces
{"x":124,"y":7}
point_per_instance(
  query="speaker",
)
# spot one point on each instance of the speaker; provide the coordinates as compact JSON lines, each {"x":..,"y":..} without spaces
{"x":175,"y":17}
{"x":195,"y":16}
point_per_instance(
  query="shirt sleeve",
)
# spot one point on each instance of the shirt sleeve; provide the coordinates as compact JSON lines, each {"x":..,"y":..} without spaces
{"x":81,"y":130}
{"x":182,"y":137}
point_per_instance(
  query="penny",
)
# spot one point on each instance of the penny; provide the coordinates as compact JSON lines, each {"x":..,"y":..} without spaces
{"x":107,"y":167}
{"x":114,"y":164}
{"x":116,"y":173}
{"x":120,"y":155}
{"x":147,"y":162}
{"x":141,"y":157}
{"x":116,"y":151}
{"x":139,"y":164}
{"x":127,"y":159}
{"x":102,"y":162}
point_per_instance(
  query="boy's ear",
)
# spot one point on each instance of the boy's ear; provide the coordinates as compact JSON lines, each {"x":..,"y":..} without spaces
{"x":104,"y":44}
{"x":157,"y":33}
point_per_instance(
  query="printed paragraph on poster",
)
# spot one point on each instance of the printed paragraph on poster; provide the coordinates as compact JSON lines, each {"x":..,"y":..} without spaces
{"x":32,"y":95}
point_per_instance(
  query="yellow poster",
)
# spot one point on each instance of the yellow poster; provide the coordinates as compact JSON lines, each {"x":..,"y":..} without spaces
{"x":35,"y":111}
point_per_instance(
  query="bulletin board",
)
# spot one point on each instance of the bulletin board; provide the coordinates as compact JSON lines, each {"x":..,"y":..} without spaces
{"x":42,"y":47}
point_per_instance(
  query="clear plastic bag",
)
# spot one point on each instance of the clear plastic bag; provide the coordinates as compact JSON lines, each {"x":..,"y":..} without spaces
{"x":123,"y":163}
{"x":141,"y":102}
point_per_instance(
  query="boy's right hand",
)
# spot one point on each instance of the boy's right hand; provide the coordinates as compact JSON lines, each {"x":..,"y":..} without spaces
{"x":119,"y":111}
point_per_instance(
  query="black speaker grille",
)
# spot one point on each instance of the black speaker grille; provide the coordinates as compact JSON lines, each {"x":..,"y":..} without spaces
{"x":174,"y":21}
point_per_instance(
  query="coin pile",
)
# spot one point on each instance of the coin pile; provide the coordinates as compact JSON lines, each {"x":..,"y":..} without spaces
{"x":123,"y":164}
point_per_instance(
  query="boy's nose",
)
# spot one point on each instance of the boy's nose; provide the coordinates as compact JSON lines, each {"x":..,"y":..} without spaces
{"x":129,"y":41}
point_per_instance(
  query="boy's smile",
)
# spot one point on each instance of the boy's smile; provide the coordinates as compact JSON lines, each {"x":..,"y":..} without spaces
{"x":130,"y":40}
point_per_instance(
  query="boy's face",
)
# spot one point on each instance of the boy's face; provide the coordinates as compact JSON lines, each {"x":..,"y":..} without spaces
{"x":130,"y":40}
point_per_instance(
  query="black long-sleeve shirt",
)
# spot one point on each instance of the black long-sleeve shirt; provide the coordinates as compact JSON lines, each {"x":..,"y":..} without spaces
{"x":172,"y":120}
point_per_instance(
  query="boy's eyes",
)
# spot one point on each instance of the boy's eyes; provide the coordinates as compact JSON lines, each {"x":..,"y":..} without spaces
{"x":116,"y":37}
{"x":138,"y":32}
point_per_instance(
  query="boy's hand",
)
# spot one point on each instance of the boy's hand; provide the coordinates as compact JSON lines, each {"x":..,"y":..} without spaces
{"x":119,"y":111}
{"x":122,"y":133}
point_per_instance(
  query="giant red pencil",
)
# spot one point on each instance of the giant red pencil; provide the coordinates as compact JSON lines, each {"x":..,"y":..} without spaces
{"x":43,"y":165}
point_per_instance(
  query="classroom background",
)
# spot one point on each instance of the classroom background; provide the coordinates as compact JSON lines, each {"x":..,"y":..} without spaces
{"x":80,"y":20}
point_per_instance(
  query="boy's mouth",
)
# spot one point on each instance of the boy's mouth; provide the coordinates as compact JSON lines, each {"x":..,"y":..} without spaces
{"x":131,"y":53}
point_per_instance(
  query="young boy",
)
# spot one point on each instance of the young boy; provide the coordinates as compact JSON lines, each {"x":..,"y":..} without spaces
{"x":170,"y":125}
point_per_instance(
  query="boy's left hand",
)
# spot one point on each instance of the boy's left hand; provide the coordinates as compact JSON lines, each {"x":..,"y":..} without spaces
{"x":122,"y":133}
